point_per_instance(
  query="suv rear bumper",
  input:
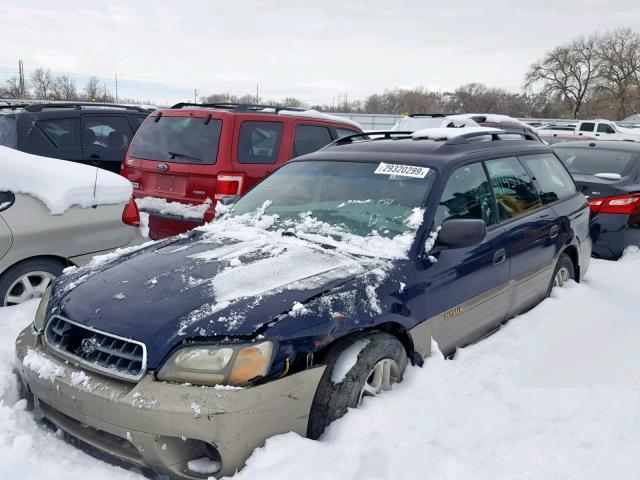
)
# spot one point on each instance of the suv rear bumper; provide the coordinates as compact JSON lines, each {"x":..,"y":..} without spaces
{"x":162,"y":425}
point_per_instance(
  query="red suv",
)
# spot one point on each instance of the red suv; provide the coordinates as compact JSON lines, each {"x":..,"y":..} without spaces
{"x":186,"y":158}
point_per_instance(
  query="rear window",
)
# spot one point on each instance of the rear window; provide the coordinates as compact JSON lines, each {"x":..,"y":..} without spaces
{"x":589,"y":161}
{"x":178,"y":140}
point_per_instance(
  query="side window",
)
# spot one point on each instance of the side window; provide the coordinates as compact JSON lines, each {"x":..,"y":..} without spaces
{"x":551,"y":177}
{"x":137,"y":121}
{"x":106,"y":132}
{"x":605,"y":128}
{"x":310,"y":138}
{"x":259,"y":142}
{"x":63,"y":132}
{"x":467,"y":195}
{"x":515,"y":192}
{"x":343,"y":132}
{"x":587,"y":127}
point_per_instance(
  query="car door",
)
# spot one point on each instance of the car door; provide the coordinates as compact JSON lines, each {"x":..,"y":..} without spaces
{"x":531,"y":230}
{"x":467,"y":291}
{"x":604,"y":131}
{"x":586,"y":128}
{"x":105,"y":139}
{"x":7,"y":199}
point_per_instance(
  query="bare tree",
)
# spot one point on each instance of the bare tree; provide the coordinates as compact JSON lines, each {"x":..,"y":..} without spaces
{"x":64,"y":88}
{"x":569,"y":71}
{"x":619,"y":72}
{"x":92,"y":89}
{"x":42,"y":83}
{"x":11,"y":88}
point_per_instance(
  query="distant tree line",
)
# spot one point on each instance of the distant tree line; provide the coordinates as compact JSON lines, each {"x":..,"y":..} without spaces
{"x":596,"y":76}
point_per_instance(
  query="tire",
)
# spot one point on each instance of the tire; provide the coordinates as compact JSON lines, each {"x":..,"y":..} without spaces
{"x":332,"y":400}
{"x":36,"y":273}
{"x":563,"y":272}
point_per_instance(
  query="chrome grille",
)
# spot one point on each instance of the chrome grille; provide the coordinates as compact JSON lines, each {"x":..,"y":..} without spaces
{"x":104,"y":352}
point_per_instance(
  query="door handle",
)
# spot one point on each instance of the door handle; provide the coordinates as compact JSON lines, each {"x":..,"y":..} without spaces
{"x":499,"y":257}
{"x":553,"y":233}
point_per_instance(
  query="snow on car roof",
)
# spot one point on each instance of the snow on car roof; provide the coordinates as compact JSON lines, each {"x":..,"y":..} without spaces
{"x":315,"y":114}
{"x":445,"y":133}
{"x":60,"y":184}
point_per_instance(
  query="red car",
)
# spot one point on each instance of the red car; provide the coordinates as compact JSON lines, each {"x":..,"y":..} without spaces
{"x":184,"y":159}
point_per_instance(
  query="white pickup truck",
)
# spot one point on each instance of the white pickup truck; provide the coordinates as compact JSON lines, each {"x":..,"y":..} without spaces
{"x":606,"y":130}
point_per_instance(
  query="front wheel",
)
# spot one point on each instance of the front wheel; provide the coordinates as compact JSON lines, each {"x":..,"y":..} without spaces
{"x":360,"y":367}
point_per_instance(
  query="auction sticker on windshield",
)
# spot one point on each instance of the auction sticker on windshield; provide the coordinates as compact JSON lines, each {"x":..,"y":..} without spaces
{"x":402,"y":170}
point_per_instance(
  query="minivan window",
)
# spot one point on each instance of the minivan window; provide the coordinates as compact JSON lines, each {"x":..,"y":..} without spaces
{"x":514,"y":191}
{"x":310,"y":138}
{"x":587,"y":127}
{"x":551,"y":177}
{"x":106,"y":132}
{"x":467,"y":195}
{"x":589,"y":161}
{"x":178,"y":140}
{"x":259,"y":142}
{"x":63,"y":132}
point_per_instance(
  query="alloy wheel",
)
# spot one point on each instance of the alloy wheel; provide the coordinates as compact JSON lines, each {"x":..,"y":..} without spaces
{"x":380,"y":379}
{"x":28,"y":286}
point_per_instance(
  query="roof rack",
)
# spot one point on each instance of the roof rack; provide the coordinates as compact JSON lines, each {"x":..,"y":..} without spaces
{"x":13,"y":106}
{"x":495,"y":135}
{"x":433,"y":115}
{"x":38,"y":107}
{"x":238,"y":107}
{"x":385,"y":135}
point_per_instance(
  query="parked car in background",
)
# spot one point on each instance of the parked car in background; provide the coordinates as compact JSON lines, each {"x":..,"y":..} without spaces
{"x":90,"y":133}
{"x":554,"y":138}
{"x":606,"y":130}
{"x":420,"y":121}
{"x":196,"y":154}
{"x":54,"y":214}
{"x":608,"y":173}
{"x":311,"y":294}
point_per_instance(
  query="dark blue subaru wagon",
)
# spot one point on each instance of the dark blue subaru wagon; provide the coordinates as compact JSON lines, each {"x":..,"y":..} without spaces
{"x":312,"y":292}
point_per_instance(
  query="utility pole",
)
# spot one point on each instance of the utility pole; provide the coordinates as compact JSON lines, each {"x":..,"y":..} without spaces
{"x":195,"y":96}
{"x":257,"y":95}
{"x":21,"y":84}
{"x":116,"y":88}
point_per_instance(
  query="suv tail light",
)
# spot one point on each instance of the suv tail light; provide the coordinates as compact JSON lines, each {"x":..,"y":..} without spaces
{"x":229,"y":185}
{"x":130,"y":214}
{"x":625,"y":204}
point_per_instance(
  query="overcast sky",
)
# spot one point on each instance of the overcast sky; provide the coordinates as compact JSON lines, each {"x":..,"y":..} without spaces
{"x":312,"y":50}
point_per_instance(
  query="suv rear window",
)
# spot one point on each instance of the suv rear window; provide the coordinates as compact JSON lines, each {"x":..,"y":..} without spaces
{"x":178,"y":140}
{"x":588,"y":161}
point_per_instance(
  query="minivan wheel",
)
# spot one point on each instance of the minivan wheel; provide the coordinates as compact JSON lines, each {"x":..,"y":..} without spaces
{"x":379,"y":365}
{"x":563,"y":272}
{"x":28,"y":280}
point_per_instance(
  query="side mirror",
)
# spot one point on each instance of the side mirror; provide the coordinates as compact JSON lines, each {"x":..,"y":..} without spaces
{"x":462,"y":232}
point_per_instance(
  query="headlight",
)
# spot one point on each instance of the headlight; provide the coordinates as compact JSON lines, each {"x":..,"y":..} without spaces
{"x":217,"y":364}
{"x":38,"y":321}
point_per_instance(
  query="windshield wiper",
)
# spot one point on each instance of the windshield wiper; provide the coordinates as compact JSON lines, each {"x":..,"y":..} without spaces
{"x":326,"y":246}
{"x":182,"y":155}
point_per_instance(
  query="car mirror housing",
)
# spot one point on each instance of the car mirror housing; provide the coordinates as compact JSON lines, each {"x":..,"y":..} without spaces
{"x":462,"y":232}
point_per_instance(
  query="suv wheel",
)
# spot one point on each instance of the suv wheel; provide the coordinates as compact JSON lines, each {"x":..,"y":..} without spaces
{"x":563,"y":272}
{"x":380,"y":363}
{"x":28,"y":280}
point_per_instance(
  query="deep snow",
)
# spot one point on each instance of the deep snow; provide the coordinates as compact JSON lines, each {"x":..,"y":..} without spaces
{"x":60,"y":184}
{"x":554,"y":395}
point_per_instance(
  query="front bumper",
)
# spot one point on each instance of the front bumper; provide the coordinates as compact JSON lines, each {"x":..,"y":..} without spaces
{"x":162,"y":425}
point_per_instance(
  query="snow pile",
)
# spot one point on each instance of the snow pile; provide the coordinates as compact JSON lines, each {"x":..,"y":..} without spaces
{"x":165,"y":207}
{"x":449,"y":133}
{"x":347,"y":359}
{"x":60,"y":184}
{"x":554,"y":394}
{"x":318,"y":115}
{"x":42,"y":366}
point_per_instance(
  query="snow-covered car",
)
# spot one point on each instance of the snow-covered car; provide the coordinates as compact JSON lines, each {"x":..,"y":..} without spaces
{"x":54,"y":214}
{"x":504,"y":122}
{"x":312,"y":293}
{"x":420,"y":121}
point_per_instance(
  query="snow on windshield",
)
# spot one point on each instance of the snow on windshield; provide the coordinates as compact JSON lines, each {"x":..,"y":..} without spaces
{"x":60,"y":184}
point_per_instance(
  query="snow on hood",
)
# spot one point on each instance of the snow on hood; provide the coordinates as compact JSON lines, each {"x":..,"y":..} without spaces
{"x":60,"y":184}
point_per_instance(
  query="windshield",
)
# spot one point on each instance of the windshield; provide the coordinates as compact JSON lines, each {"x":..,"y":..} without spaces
{"x":338,"y":199}
{"x":588,"y":161}
{"x":8,"y":131}
{"x":177,"y":140}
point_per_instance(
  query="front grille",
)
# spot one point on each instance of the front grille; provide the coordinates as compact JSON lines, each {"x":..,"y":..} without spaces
{"x":107,"y":353}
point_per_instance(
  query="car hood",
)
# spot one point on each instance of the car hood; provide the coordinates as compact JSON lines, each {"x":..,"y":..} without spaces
{"x":201,"y":288}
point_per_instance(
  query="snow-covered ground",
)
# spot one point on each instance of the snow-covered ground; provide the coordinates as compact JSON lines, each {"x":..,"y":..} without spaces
{"x":554,"y":395}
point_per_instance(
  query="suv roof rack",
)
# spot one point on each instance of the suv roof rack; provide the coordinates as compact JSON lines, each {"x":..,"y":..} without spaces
{"x":238,"y":107}
{"x":433,"y":115}
{"x":384,"y":135}
{"x":13,"y":106}
{"x":495,"y":135}
{"x":38,"y":107}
